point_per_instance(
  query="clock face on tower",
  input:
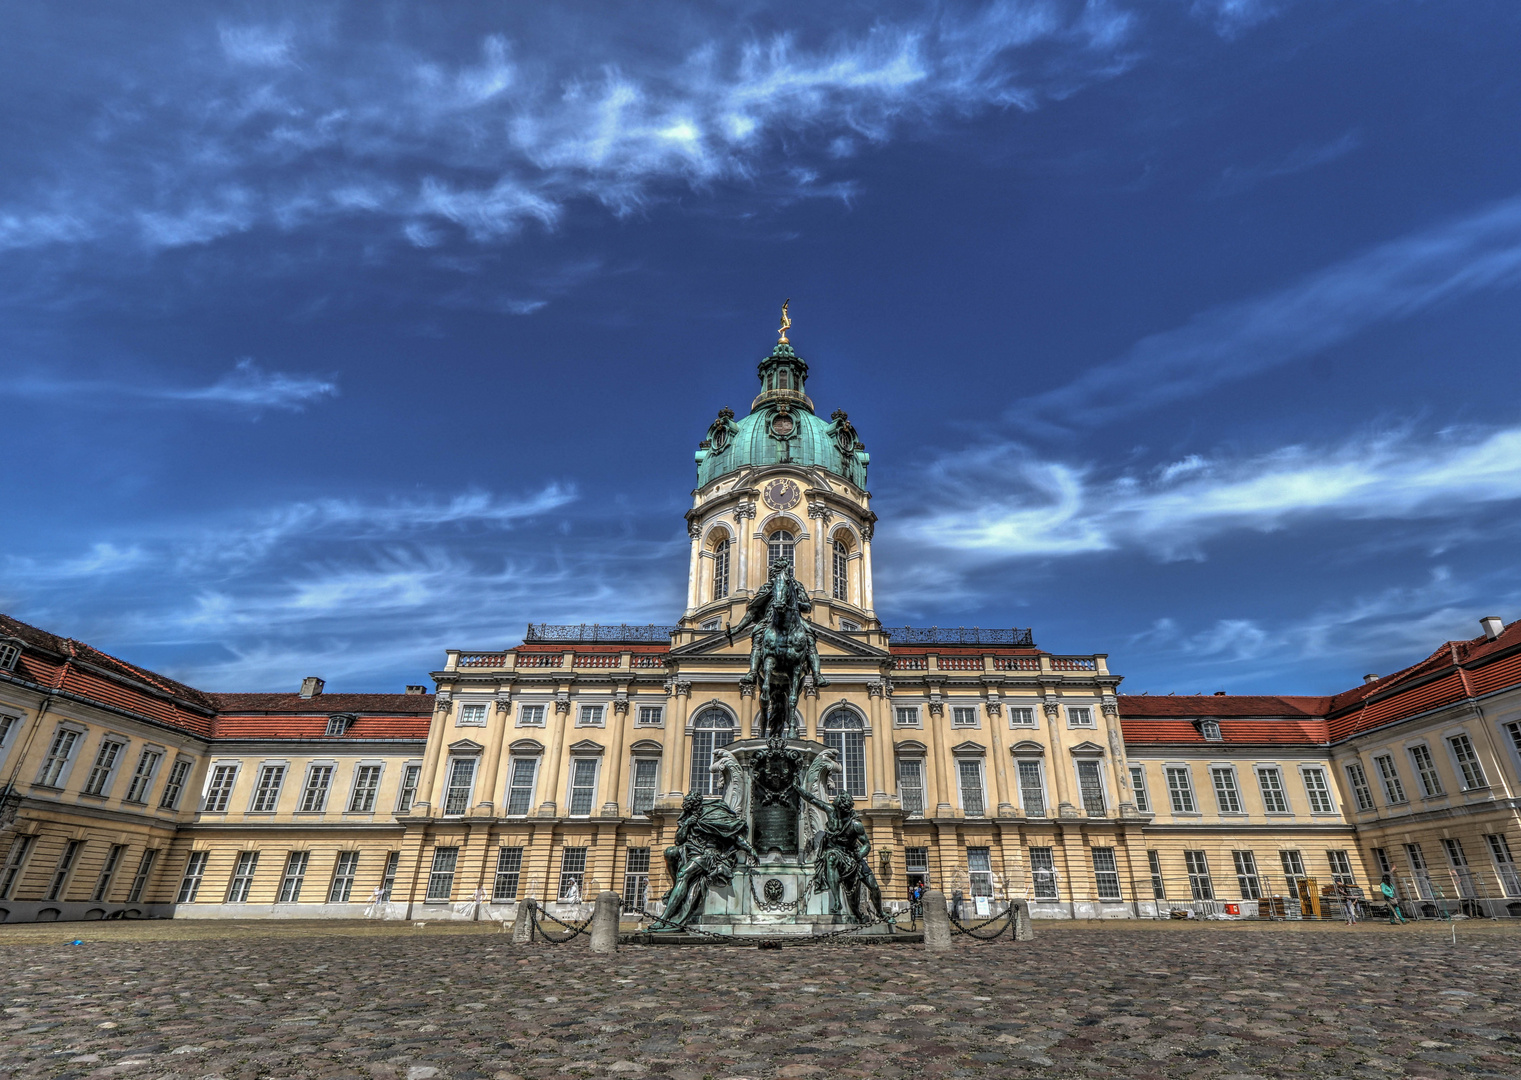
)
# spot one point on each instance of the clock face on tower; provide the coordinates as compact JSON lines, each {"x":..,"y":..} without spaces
{"x":781,"y":494}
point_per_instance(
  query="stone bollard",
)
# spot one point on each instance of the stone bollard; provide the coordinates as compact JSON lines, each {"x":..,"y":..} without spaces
{"x":522,"y":926}
{"x":937,"y":921}
{"x":604,"y":927}
{"x":1023,"y":930}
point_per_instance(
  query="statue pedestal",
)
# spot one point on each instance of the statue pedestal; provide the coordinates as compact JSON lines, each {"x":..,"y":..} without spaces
{"x":764,"y":901}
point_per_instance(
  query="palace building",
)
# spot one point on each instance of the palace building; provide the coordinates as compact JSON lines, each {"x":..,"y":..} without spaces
{"x":554,"y":768}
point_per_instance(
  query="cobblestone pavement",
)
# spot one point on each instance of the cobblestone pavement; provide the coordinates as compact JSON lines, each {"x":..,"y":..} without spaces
{"x":461,"y":1003}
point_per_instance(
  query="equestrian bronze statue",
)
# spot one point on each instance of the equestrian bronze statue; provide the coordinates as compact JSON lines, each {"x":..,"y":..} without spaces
{"x":783,"y":649}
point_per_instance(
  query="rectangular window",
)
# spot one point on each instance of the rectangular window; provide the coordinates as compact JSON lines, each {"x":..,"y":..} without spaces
{"x":104,"y":767}
{"x":1394,"y":790}
{"x":295,"y":874}
{"x":1358,"y":780}
{"x":911,"y":784}
{"x":906,"y":716}
{"x":915,"y":867}
{"x":366,"y":788}
{"x":344,"y":871}
{"x":651,"y":715}
{"x":107,"y":872}
{"x":59,"y":752}
{"x":583,"y":786}
{"x":1079,"y":716}
{"x":1032,"y":791}
{"x":461,"y":784}
{"x":979,"y":864}
{"x":530,"y":716}
{"x":636,"y":879}
{"x":1293,"y":870}
{"x":572,"y":873}
{"x":1158,"y":883}
{"x":441,"y":877}
{"x":721,"y":570}
{"x":1270,"y":783}
{"x":1468,"y":763}
{"x":1341,"y":868}
{"x":970,"y":774}
{"x":591,"y":716}
{"x":1043,"y":874}
{"x":8,"y":724}
{"x":509,"y":868}
{"x":520,"y":791}
{"x":1426,"y":769}
{"x":1418,"y":870}
{"x":142,"y":777}
{"x":472,"y":714}
{"x":140,"y":879}
{"x":242,"y":877}
{"x":1246,"y":875}
{"x":1318,"y":790}
{"x":961,"y":716}
{"x":1227,"y":798}
{"x":1021,"y":716}
{"x":1505,"y":866}
{"x":410,"y":775}
{"x":179,"y":772}
{"x":1381,"y":857}
{"x":314,"y":797}
{"x":388,"y":878}
{"x":190,"y":884}
{"x":1106,"y":874}
{"x":1090,"y":784}
{"x":267,"y":791}
{"x":1180,"y":790}
{"x":646,"y":779}
{"x":15,"y":860}
{"x":61,"y":872}
{"x":1199,"y":882}
{"x":1514,"y":731}
{"x":1138,"y":789}
{"x":1462,"y":875}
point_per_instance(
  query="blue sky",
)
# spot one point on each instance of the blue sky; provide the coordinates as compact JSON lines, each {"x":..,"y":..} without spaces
{"x":332,"y":336}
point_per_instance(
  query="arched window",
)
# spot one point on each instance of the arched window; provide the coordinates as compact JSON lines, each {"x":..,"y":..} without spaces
{"x":712,"y":728}
{"x":781,"y":547}
{"x":844,"y":734}
{"x":782,"y":380}
{"x":721,"y":570}
{"x":841,"y":571}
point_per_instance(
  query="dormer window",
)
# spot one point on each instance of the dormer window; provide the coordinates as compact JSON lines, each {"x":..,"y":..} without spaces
{"x":1210,"y":729}
{"x":338,"y":723}
{"x":10,"y":652}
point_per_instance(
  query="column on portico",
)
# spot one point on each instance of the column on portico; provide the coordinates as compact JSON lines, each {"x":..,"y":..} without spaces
{"x":554,"y":753}
{"x":436,"y":737}
{"x":694,"y":530}
{"x":742,"y":541}
{"x":489,"y":782}
{"x":673,"y":735}
{"x":614,"y":774}
{"x":867,"y":600}
{"x":997,"y":726}
{"x":882,"y":762}
{"x":821,"y":517}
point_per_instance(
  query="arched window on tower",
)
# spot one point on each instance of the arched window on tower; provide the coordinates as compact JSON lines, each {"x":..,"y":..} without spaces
{"x":845,"y":735}
{"x":712,"y":728}
{"x":783,"y":379}
{"x":721,"y":570}
{"x":841,"y":571}
{"x":781,"y":547}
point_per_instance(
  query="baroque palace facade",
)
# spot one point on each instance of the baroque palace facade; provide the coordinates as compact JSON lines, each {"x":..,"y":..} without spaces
{"x":554,"y":769}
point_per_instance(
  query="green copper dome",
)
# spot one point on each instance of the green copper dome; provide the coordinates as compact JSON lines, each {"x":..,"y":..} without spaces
{"x":782,"y":428}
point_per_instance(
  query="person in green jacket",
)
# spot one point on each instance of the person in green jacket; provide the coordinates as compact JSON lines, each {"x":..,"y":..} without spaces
{"x":1387,"y":888}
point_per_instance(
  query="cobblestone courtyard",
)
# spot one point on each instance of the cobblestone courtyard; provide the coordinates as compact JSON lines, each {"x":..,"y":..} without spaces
{"x":245,"y":1001}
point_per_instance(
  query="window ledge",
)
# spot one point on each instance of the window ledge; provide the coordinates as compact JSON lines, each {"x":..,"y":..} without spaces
{"x":133,"y":802}
{"x":1481,"y":790}
{"x":1187,"y":813}
{"x":94,"y":797}
{"x":1280,"y":813}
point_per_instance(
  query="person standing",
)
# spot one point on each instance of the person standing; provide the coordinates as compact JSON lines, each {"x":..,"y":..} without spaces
{"x":1387,"y":888}
{"x":1348,"y":902}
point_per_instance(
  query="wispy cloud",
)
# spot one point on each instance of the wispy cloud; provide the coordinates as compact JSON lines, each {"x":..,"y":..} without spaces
{"x":1238,"y":178}
{"x":1393,"y":281}
{"x":247,"y":386}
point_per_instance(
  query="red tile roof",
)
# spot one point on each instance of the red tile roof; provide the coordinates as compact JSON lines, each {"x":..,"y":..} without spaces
{"x":1139,"y":732}
{"x":1196,"y":706}
{"x":315,"y":727}
{"x":325,"y":705}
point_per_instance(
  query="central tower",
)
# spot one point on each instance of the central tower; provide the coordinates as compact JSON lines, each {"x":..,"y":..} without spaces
{"x":781,"y":483}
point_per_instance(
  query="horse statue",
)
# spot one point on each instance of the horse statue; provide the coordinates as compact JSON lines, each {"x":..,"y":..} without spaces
{"x":783,"y":649}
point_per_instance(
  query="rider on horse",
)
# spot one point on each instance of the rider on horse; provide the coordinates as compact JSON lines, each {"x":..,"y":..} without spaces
{"x":780,"y":602}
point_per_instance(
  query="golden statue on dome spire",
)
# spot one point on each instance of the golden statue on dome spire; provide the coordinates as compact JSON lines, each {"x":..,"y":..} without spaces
{"x":781,"y":334}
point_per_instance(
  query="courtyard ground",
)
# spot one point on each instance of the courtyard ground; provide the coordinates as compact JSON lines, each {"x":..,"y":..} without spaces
{"x":243,"y":1001}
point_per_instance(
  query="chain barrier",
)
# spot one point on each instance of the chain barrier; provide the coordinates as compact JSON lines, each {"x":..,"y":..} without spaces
{"x":576,"y":929}
{"x":1007,"y":919}
{"x":747,"y":941}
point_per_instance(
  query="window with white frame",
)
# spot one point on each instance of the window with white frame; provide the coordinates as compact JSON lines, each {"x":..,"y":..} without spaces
{"x":9,"y":725}
{"x":1425,"y":768}
{"x":1457,"y":860}
{"x":441,"y":874}
{"x":366,"y":789}
{"x":60,"y":751}
{"x":1180,"y":789}
{"x":319,"y":778}
{"x":712,"y":729}
{"x":140,"y":879}
{"x":1043,"y":874}
{"x":1090,"y":787}
{"x":388,"y":876}
{"x":219,"y":788}
{"x":142,"y":777}
{"x":911,"y":784}
{"x":847,"y":624}
{"x":104,"y":768}
{"x":1246,"y":875}
{"x":242,"y":877}
{"x":590,"y":716}
{"x":1505,"y":865}
{"x":636,"y":878}
{"x":1210,"y":730}
{"x":1381,"y":858}
{"x":651,"y":715}
{"x":471,"y":714}
{"x":9,"y":653}
{"x":294,"y":876}
{"x":969,"y":776}
{"x":520,"y":786}
{"x":1270,"y":782}
{"x":338,"y":723}
{"x":108,"y":870}
{"x":344,"y":871}
{"x":530,"y":716}
{"x":1138,"y":793}
{"x":572,"y":874}
{"x":1021,"y":716}
{"x":1318,"y":791}
{"x":1199,"y":881}
{"x":267,"y":791}
{"x":1341,"y":868}
{"x":179,"y":772}
{"x":979,"y":865}
{"x":1293,"y":869}
{"x":915,"y":867}
{"x":1158,"y":882}
{"x":1032,"y":789}
{"x":1106,"y":874}
{"x":195,"y":871}
{"x":1079,"y":716}
{"x":781,"y":546}
{"x":15,"y":860}
{"x":1468,"y":762}
{"x":1394,"y":789}
{"x":721,"y":570}
{"x":841,"y":571}
{"x":845,"y":734}
{"x":509,"y":869}
{"x":1227,"y":795}
{"x":646,"y":780}
{"x":583,"y":785}
{"x":461,"y":785}
{"x":406,"y":794}
{"x":1514,"y":731}
{"x":712,"y":624}
{"x":906,"y":716}
{"x":1358,"y":780}
{"x":61,"y":871}
{"x":964,"y":716}
{"x":1419,"y":871}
